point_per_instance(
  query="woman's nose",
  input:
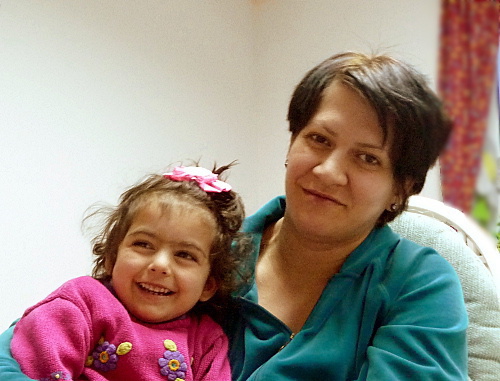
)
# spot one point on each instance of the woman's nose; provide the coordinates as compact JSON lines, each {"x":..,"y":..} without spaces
{"x":333,"y":169}
{"x":161,"y":263}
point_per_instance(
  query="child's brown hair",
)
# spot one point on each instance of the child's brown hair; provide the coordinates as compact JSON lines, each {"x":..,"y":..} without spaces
{"x":230,"y":247}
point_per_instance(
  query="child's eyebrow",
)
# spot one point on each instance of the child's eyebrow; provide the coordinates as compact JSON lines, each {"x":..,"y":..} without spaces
{"x":140,"y":231}
{"x":191,"y":245}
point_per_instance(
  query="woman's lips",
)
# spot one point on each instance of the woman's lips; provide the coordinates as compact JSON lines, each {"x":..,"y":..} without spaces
{"x":323,"y":196}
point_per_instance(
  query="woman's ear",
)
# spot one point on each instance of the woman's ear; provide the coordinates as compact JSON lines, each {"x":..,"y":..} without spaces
{"x":209,"y":290}
{"x":408,"y":186}
{"x":401,"y":194}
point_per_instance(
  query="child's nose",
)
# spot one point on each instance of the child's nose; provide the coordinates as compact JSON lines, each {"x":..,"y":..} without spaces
{"x":161,"y":263}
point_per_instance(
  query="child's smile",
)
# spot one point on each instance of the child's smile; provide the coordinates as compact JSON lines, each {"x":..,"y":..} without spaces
{"x":155,"y":290}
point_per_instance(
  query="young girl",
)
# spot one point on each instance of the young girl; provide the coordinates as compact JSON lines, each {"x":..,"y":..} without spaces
{"x":168,"y":253}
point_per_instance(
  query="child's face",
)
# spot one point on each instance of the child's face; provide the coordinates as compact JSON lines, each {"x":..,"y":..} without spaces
{"x":162,"y":268}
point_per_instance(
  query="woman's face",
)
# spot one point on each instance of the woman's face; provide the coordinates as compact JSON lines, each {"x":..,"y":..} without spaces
{"x":339,"y":176}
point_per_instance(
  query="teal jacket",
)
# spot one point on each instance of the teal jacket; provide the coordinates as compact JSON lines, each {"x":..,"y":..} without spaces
{"x":395,"y":311}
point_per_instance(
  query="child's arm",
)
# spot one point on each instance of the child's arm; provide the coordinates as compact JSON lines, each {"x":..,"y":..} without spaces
{"x":52,"y":339}
{"x":9,"y":368}
{"x":214,"y":363}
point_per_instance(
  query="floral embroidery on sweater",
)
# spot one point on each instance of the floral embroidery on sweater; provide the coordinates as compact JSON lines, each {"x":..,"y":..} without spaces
{"x":172,"y":364}
{"x":57,"y":376}
{"x":105,"y":355}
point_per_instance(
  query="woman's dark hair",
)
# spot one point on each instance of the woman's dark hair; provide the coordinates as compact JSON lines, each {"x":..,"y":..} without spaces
{"x":409,"y":112}
{"x":230,"y":247}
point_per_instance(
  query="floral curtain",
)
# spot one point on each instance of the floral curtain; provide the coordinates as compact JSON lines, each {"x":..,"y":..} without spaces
{"x":469,"y":44}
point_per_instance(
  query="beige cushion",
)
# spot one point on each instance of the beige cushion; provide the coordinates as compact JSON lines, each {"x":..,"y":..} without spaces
{"x":478,"y":287}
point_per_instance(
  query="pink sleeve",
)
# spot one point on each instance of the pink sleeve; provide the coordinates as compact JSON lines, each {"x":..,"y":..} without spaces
{"x":214,"y":362}
{"x":53,"y":337}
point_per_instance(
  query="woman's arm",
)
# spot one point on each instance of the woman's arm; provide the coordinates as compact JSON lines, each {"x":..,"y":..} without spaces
{"x":9,"y":368}
{"x":423,"y":335}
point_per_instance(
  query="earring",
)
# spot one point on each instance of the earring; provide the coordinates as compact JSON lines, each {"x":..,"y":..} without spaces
{"x":394,"y":207}
{"x":286,"y":163}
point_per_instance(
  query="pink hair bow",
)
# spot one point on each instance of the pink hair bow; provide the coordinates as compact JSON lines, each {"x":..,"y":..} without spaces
{"x":207,"y":180}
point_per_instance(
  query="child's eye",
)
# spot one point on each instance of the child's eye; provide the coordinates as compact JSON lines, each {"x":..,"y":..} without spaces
{"x":142,"y":244}
{"x":186,"y":255}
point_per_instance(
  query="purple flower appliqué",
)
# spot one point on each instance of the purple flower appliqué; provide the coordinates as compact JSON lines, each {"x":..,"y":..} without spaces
{"x":172,"y":365}
{"x":57,"y":376}
{"x":105,"y":357}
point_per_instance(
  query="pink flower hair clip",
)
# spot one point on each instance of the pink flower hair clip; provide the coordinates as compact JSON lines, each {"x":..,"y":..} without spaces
{"x":207,"y":180}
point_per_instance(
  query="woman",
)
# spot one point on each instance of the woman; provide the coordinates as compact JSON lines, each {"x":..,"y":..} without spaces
{"x":336,"y":295}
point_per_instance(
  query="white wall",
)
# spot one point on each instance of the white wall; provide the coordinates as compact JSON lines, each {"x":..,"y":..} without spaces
{"x":95,"y":94}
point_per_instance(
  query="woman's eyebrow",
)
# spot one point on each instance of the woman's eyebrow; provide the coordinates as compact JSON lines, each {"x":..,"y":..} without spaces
{"x":372,"y":146}
{"x":377,"y":146}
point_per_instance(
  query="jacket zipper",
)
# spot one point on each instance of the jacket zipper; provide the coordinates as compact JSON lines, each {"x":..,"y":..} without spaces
{"x":288,"y":342}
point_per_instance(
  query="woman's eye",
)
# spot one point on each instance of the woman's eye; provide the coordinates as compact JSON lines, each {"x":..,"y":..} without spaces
{"x":318,"y":138}
{"x":369,"y":159}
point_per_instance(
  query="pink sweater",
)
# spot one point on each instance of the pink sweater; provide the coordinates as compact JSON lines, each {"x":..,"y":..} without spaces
{"x":81,"y":331}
